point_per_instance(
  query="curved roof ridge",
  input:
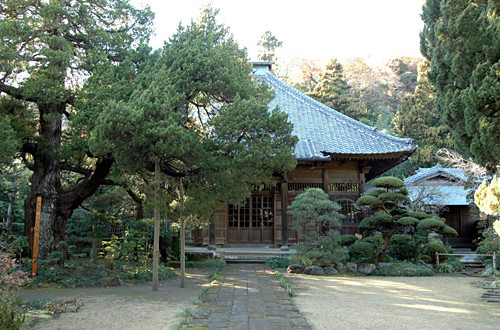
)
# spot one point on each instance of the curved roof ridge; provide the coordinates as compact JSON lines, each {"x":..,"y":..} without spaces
{"x":429,"y":172}
{"x":373,"y":131}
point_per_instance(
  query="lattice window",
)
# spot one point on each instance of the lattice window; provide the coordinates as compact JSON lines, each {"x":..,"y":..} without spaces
{"x":348,"y":210}
{"x":257,"y":212}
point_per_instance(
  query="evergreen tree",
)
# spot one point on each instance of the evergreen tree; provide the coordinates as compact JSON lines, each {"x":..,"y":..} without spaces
{"x":317,"y":218}
{"x":47,"y":49}
{"x":461,"y":39}
{"x":333,"y":91}
{"x":201,"y":120}
{"x":418,"y":119}
{"x":389,"y":202}
{"x":268,"y":44}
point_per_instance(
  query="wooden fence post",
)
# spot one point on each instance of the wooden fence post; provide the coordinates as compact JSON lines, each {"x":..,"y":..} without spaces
{"x":437,"y":259}
{"x":36,"y":234}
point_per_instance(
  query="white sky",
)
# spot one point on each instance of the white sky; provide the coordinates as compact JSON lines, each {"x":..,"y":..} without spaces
{"x":312,"y":29}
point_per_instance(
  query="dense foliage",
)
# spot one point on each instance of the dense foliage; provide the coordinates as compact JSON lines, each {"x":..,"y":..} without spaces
{"x":47,"y":48}
{"x":317,"y":218}
{"x":417,"y":118}
{"x":391,"y":216}
{"x":461,"y":39}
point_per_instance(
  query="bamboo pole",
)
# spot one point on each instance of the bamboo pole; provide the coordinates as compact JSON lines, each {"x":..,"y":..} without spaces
{"x":183,"y":230}
{"x":36,"y":234}
{"x":156,"y":239}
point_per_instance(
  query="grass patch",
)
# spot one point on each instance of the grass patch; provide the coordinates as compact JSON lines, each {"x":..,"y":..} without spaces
{"x":217,"y":265}
{"x":184,"y":315}
{"x":284,"y":282}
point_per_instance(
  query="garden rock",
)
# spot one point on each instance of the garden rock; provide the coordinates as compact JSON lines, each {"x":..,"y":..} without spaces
{"x":295,"y":268}
{"x":330,"y":270}
{"x":313,"y":270}
{"x":366,"y":268}
{"x":385,"y":264}
{"x":340,"y":267}
{"x":351,"y":267}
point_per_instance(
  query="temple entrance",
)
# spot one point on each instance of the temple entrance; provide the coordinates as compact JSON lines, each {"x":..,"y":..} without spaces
{"x":252,"y":222}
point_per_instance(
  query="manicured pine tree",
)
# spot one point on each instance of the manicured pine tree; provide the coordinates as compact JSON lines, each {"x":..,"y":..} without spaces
{"x":388,"y":202}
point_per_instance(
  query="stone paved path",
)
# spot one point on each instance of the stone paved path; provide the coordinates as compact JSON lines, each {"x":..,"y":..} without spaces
{"x":247,"y":296}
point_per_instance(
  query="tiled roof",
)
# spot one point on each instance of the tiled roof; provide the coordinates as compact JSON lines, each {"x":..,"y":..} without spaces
{"x":439,"y":195}
{"x":454,"y":174}
{"x":421,"y":186}
{"x":323,"y":131}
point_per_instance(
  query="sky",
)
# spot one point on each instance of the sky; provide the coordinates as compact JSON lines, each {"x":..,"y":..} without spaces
{"x":318,"y":30}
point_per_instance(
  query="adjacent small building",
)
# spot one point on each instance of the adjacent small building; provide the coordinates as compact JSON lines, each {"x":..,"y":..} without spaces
{"x":442,"y":190}
{"x":335,"y":153}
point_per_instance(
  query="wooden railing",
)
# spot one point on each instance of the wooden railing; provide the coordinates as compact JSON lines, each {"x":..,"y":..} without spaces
{"x":332,"y":187}
{"x":494,"y":256}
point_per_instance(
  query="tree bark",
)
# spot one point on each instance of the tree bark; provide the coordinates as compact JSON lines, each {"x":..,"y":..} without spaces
{"x":58,"y":203}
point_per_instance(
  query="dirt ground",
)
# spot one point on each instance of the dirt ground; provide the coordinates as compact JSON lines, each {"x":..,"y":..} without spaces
{"x":124,"y":307}
{"x":438,"y":302}
{"x":336,"y":302}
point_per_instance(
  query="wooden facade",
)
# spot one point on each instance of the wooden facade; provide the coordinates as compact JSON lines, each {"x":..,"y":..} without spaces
{"x":261,"y":221}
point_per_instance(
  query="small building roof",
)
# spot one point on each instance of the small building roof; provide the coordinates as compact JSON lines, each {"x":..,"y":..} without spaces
{"x":325,"y":134}
{"x":425,"y":174}
{"x":438,"y":185}
{"x":439,"y":195}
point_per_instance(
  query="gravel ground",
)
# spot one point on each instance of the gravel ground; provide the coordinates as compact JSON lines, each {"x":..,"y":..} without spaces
{"x":124,"y":307}
{"x":438,"y":302}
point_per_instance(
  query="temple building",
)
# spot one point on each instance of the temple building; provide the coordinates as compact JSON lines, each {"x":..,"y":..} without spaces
{"x":334,"y":152}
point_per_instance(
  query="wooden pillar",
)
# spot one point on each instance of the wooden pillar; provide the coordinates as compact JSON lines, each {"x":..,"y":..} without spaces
{"x":362,"y":180}
{"x":211,"y":230}
{"x":284,"y":215}
{"x":325,"y":179}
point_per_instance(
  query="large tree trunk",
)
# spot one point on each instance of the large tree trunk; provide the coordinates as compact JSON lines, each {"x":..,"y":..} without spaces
{"x":46,"y":179}
{"x":58,"y":203}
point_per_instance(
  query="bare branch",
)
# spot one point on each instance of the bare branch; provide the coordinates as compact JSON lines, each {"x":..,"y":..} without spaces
{"x":456,"y":160}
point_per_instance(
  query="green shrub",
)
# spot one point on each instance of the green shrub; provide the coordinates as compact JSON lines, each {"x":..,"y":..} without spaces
{"x":347,"y":240}
{"x":429,"y":225}
{"x":403,"y":269}
{"x":402,"y":247}
{"x":361,"y":251}
{"x":11,"y":313}
{"x":318,"y":256}
{"x":450,"y":267}
{"x":278,"y":262}
{"x":435,"y":245}
{"x":491,"y":272}
{"x":388,"y":182}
